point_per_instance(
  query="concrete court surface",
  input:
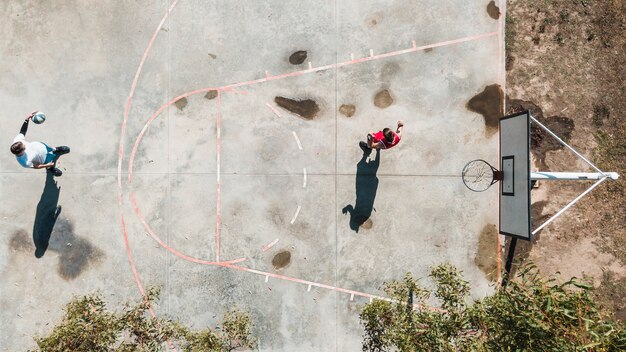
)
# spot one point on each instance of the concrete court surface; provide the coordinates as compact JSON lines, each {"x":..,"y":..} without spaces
{"x":234,"y":201}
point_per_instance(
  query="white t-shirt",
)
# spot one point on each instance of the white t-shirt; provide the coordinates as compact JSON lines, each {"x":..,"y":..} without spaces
{"x":35,"y":152}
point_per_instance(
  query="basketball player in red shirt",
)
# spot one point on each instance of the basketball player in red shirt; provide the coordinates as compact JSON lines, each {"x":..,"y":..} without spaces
{"x":384,"y":139}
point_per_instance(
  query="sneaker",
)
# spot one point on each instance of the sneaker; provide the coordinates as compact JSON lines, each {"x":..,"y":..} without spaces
{"x":56,"y":172}
{"x":62,"y":150}
{"x":364,"y":147}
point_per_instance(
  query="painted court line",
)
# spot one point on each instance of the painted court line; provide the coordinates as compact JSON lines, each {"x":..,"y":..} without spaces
{"x":218,"y":183}
{"x":295,"y":136}
{"x":269,"y":245}
{"x":296,"y":214}
{"x":276,"y":112}
{"x":304,"y":177}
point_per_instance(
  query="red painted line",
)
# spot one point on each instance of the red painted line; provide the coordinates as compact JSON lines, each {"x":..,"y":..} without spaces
{"x":269,"y":245}
{"x":152,"y":234}
{"x":218,"y":184}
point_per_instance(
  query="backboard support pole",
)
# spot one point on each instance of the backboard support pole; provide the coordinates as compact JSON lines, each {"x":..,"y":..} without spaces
{"x":509,"y":261}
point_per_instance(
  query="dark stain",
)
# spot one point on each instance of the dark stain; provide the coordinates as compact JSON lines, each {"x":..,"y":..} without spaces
{"x":298,"y":57}
{"x":510,"y":61}
{"x":20,"y":242}
{"x":427,"y":50}
{"x":76,"y":254}
{"x":306,"y":108}
{"x":487,"y":253}
{"x":181,"y":103}
{"x":489,"y":104}
{"x":367,"y":224}
{"x":541,"y":142}
{"x":276,"y":215}
{"x":600,"y":113}
{"x":383,"y":99}
{"x":213,"y":56}
{"x":493,"y":10}
{"x":212,"y":94}
{"x":347,"y":110}
{"x":390,"y":69}
{"x":281,"y":260}
{"x":536,"y":40}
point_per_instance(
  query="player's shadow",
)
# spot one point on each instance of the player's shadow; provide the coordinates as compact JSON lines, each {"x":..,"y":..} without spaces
{"x":46,"y":216}
{"x":366,"y":187}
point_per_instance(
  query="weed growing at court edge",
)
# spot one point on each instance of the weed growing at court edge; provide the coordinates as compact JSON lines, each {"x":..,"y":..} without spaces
{"x":89,"y":326}
{"x":531,"y":314}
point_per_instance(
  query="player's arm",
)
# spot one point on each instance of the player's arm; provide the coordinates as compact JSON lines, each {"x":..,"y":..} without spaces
{"x":399,"y":129}
{"x":25,"y":124}
{"x":42,"y":166}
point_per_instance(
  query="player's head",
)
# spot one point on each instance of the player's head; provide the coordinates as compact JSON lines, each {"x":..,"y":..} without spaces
{"x":17,"y":148}
{"x":388,"y":133}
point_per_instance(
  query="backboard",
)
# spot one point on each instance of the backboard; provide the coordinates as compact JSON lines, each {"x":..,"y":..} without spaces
{"x":515,"y":167}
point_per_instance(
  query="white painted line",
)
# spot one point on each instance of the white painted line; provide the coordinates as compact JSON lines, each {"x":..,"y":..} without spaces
{"x":267,"y":277}
{"x":304,"y":177}
{"x":352,"y":297}
{"x":276,"y":112}
{"x":267,"y":74}
{"x":371,"y":52}
{"x":296,"y":214}
{"x":310,"y":65}
{"x":269,"y":245}
{"x":351,"y":57}
{"x":297,"y":139}
{"x":309,"y":289}
{"x":414,"y":45}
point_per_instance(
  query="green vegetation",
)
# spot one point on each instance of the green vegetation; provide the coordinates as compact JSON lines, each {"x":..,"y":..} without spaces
{"x":530,"y":314}
{"x":89,"y":326}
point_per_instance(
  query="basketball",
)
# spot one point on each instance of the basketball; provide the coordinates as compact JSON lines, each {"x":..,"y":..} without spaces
{"x":39,"y":117}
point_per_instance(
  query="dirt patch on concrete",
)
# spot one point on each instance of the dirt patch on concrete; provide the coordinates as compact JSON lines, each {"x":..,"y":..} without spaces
{"x":493,"y":10}
{"x":487,"y":254}
{"x":427,"y":50}
{"x":212,"y":94}
{"x":489,"y":104}
{"x":306,"y":108}
{"x":298,"y":57}
{"x":347,"y":110}
{"x":21,"y":242}
{"x":383,"y":99}
{"x":181,"y":103}
{"x":281,"y":260}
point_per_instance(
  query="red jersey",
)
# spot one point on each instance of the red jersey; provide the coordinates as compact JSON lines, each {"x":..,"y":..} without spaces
{"x":380,"y":137}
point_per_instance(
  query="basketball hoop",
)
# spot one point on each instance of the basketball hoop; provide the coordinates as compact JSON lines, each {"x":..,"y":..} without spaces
{"x":479,"y":175}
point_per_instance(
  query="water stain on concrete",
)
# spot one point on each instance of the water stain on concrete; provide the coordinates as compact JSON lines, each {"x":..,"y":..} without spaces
{"x":347,"y":110}
{"x":281,"y":260}
{"x":306,"y":108}
{"x":212,"y":94}
{"x":493,"y":10}
{"x":276,"y":215}
{"x":181,"y":103}
{"x":76,"y":254}
{"x":21,"y":242}
{"x":298,"y":57}
{"x":487,"y":253}
{"x":542,"y":142}
{"x":383,"y":99}
{"x":390,"y":69}
{"x":427,"y":50}
{"x":489,"y":104}
{"x":367,"y":224}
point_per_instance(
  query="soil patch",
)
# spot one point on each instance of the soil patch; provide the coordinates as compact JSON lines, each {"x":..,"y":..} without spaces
{"x":306,"y":108}
{"x":541,"y":141}
{"x":347,"y":109}
{"x":21,"y":242}
{"x":212,"y":94}
{"x":181,"y":103}
{"x":383,"y":99}
{"x":298,"y":57}
{"x":427,"y":50}
{"x":489,"y":104}
{"x":487,"y":254}
{"x":493,"y":10}
{"x":281,"y":260}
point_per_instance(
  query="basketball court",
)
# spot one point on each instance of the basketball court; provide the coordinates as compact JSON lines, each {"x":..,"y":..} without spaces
{"x":186,"y":174}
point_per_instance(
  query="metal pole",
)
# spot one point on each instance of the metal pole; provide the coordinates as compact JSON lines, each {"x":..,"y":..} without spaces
{"x":509,"y":261}
{"x":565,"y":144}
{"x":569,"y":205}
{"x":579,"y":176}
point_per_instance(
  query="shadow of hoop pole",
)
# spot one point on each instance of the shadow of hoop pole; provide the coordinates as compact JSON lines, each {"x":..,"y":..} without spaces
{"x":46,"y":216}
